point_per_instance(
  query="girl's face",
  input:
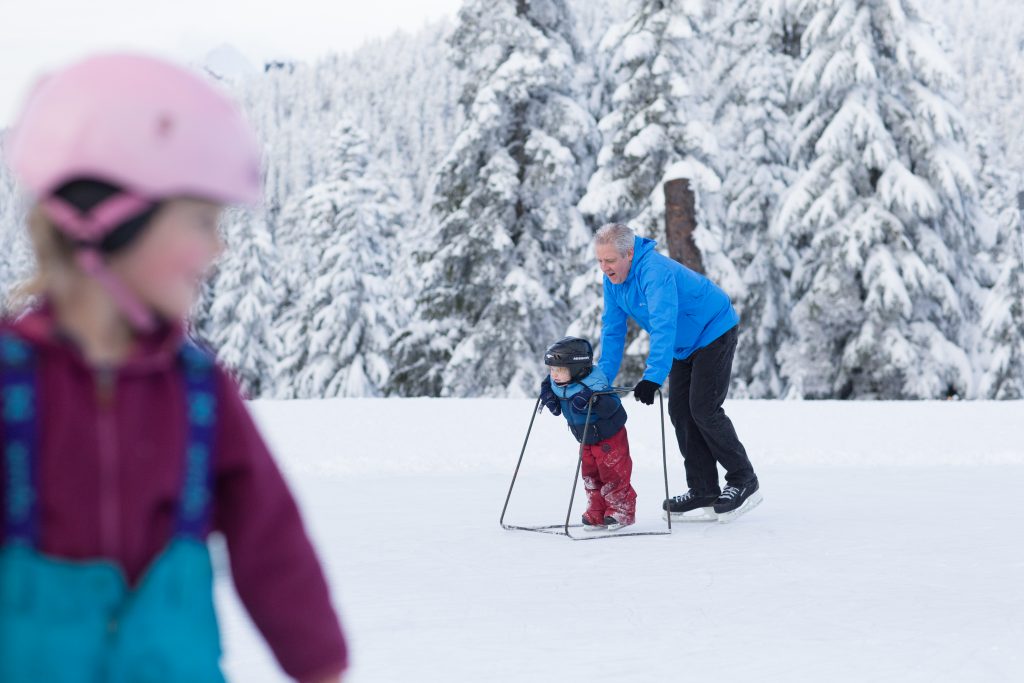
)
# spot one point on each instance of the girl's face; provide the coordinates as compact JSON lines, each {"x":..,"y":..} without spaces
{"x":165,"y":266}
{"x":560,"y":375}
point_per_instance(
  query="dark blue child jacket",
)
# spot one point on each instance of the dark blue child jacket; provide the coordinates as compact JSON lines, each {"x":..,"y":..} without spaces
{"x":607,"y":416}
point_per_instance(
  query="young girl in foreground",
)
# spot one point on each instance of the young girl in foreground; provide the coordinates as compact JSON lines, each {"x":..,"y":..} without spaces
{"x":124,"y":446}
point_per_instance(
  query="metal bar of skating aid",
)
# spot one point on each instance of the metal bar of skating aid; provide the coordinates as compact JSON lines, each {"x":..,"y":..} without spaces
{"x":563,"y":529}
{"x":533,"y":416}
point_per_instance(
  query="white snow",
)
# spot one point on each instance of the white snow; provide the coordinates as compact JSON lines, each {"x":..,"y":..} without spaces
{"x":638,"y":46}
{"x":227,"y":63}
{"x":887,"y":548}
{"x":691,"y":169}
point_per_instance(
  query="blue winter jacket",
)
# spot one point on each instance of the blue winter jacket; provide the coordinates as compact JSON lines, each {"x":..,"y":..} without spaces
{"x":682,"y":310}
{"x":607,"y":416}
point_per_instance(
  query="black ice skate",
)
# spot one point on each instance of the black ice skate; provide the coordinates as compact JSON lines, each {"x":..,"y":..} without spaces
{"x":692,"y":506}
{"x":737,"y":500}
{"x":612,"y":524}
{"x":590,"y":525}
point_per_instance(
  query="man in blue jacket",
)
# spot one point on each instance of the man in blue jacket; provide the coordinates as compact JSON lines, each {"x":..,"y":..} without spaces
{"x":693,"y":328}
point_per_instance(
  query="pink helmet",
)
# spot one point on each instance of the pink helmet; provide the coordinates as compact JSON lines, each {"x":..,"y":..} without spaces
{"x":139,"y":123}
{"x":150,"y":128}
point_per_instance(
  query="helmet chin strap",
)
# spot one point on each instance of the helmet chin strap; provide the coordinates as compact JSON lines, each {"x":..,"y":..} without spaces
{"x":581,"y":374}
{"x":139,"y":316}
{"x":88,"y":229}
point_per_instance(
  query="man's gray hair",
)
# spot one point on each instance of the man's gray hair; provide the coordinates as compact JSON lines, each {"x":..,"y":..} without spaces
{"x":619,"y":235}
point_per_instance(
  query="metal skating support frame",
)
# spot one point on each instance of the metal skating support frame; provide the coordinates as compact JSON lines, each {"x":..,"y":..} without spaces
{"x":563,"y":529}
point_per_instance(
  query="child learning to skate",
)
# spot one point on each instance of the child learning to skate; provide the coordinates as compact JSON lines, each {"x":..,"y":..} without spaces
{"x":124,"y":445}
{"x":606,"y":467}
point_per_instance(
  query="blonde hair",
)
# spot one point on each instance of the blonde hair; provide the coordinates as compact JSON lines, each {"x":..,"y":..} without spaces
{"x":54,"y":258}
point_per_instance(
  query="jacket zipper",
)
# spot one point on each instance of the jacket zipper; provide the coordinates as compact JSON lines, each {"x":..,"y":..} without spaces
{"x":110,"y":503}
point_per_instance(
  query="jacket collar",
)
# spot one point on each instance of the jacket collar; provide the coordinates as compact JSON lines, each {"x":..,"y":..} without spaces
{"x":152,"y":351}
{"x":641,"y":247}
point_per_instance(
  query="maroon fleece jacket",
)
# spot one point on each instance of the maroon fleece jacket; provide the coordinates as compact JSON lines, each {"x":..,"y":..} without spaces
{"x":111,"y":462}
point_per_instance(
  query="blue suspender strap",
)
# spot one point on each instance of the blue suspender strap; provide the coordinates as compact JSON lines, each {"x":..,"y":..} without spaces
{"x":20,"y":414}
{"x":197,"y":487}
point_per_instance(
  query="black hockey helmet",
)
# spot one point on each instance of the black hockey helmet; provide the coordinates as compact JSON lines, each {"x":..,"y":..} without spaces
{"x":573,"y":353}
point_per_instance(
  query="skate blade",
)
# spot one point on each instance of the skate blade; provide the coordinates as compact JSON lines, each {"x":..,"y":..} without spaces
{"x":748,"y":505}
{"x":616,"y":527}
{"x":702,"y":515}
{"x":591,"y":528}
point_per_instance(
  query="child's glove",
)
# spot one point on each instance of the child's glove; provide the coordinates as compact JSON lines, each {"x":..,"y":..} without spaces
{"x":548,"y":398}
{"x":580,"y":400}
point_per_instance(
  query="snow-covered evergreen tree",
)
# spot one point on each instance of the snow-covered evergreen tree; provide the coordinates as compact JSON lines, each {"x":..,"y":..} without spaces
{"x":989,"y":54}
{"x":984,"y":38}
{"x":651,"y":98}
{"x":651,"y":114}
{"x":16,"y":260}
{"x":882,"y":216}
{"x":403,"y":95}
{"x":340,"y":312}
{"x":507,"y":237}
{"x":896,"y":276}
{"x":399,"y":91}
{"x":1001,"y":357}
{"x":757,"y":45}
{"x":594,"y":18}
{"x":236,"y":321}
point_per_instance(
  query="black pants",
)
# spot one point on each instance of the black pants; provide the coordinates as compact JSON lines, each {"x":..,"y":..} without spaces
{"x":697,"y":388}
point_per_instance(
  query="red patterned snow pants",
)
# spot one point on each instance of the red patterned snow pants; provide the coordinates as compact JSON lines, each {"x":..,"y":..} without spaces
{"x":606,"y":471}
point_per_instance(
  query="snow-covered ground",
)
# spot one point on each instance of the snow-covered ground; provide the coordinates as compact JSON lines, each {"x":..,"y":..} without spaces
{"x":888,"y":548}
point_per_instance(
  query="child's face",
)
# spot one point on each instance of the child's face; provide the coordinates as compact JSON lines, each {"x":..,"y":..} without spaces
{"x":166,"y":265}
{"x":560,"y":375}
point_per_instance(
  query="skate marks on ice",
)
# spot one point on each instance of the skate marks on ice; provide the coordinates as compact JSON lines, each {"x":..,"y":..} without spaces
{"x":824,"y":583}
{"x":857,"y":568}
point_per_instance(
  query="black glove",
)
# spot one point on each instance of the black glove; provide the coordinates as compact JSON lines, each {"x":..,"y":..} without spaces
{"x":580,"y":400}
{"x":644,"y":391}
{"x":548,"y":399}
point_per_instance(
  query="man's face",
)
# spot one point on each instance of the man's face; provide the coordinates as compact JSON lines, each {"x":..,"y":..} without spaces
{"x":613,"y":264}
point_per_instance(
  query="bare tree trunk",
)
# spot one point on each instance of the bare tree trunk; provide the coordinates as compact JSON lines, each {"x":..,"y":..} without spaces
{"x":680,"y":222}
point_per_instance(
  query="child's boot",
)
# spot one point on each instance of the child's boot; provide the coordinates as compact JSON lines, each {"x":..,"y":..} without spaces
{"x":617,"y":520}
{"x":593,"y":523}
